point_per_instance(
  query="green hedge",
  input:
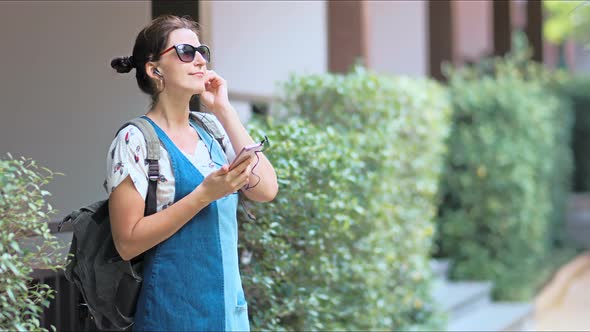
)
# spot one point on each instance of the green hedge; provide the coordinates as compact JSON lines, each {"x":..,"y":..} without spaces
{"x":346,"y":243}
{"x":508,"y":174}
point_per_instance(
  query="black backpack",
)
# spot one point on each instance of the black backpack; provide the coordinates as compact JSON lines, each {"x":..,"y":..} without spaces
{"x":108,"y":284}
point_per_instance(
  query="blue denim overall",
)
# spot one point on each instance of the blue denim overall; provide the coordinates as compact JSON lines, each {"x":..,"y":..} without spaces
{"x":191,"y":280}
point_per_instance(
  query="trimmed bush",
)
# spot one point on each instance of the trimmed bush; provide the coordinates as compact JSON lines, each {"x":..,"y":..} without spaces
{"x":508,"y":174}
{"x":346,"y":243}
{"x":303,"y":273}
{"x":22,"y":209}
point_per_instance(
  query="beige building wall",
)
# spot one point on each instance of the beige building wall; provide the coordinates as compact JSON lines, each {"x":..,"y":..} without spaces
{"x":61,"y":101}
{"x":397,"y":37}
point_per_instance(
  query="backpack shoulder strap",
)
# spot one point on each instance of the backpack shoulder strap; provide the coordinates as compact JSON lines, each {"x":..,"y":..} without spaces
{"x":206,"y":122}
{"x":153,"y":156}
{"x":151,"y":137}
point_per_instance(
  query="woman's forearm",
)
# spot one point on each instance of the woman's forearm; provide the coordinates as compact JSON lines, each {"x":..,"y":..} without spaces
{"x":148,"y":231}
{"x":267,"y":188}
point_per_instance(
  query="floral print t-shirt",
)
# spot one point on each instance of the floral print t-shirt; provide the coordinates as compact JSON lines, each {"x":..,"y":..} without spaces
{"x":126,"y":157}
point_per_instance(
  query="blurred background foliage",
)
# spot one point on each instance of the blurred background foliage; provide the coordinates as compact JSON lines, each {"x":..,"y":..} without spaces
{"x":508,"y":172}
{"x":566,"y":19}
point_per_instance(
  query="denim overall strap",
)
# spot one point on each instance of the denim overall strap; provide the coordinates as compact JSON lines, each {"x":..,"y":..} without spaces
{"x":191,"y":280}
{"x":235,"y":301}
{"x":236,"y":317}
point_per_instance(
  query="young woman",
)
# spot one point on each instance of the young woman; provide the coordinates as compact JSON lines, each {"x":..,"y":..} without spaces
{"x":191,"y":276}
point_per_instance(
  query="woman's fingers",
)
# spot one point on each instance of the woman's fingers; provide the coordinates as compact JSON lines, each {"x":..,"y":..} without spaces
{"x":241,"y":181}
{"x":242,"y":184}
{"x":222,"y":171}
{"x":239,"y":177}
{"x":242,"y":166}
{"x":235,"y":179}
{"x":214,"y":80}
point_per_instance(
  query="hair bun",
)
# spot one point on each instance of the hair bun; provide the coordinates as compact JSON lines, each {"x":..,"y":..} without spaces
{"x":123,"y":64}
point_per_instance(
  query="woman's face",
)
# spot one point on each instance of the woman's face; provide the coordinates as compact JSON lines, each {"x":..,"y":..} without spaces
{"x":179,"y":75}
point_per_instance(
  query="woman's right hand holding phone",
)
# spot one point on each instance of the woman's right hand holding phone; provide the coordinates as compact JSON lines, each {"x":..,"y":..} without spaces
{"x":224,"y":181}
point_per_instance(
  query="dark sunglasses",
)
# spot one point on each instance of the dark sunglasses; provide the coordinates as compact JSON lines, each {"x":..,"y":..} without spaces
{"x":186,"y":52}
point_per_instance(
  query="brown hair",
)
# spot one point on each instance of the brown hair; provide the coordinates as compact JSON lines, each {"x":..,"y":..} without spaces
{"x":150,"y":42}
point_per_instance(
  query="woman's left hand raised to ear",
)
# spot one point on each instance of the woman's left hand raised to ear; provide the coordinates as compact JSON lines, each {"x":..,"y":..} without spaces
{"x":217,"y":102}
{"x":215,"y":95}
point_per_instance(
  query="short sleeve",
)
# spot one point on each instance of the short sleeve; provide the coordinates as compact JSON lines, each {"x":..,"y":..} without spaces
{"x":126,"y":157}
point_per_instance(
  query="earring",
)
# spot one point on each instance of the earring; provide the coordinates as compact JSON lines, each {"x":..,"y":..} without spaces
{"x":159,"y":83}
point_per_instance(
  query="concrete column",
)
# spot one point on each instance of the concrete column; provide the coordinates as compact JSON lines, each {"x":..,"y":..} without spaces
{"x":176,"y":7}
{"x":347,"y":34}
{"x":534,"y":28}
{"x":502,"y":27}
{"x":440,"y":36}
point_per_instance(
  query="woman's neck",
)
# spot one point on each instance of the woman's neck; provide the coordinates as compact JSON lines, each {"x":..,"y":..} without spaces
{"x":171,"y":112}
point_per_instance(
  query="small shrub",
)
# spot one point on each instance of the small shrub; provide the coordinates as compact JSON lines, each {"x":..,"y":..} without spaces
{"x":23,"y":211}
{"x":304,"y":271}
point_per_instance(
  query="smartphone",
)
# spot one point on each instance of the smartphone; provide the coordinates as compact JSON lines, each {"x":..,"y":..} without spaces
{"x":249,"y":150}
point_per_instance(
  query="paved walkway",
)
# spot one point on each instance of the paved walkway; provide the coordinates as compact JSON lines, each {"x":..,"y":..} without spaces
{"x":564,"y":305}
